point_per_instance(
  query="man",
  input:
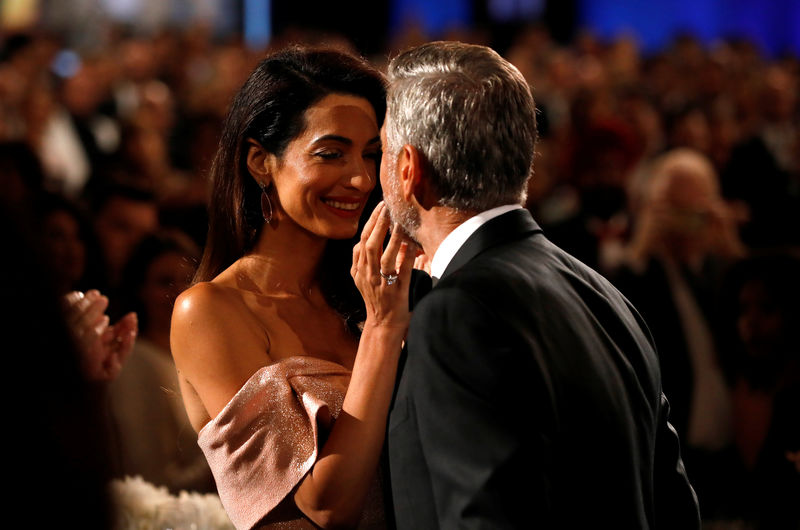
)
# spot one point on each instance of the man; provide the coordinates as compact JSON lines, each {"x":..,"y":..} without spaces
{"x":123,"y":216}
{"x":530,"y":395}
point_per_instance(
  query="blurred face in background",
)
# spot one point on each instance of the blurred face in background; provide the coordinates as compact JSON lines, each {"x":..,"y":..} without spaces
{"x":64,"y":247}
{"x":83,"y":93}
{"x":167,"y":276}
{"x":120,"y":226}
{"x":689,"y":200}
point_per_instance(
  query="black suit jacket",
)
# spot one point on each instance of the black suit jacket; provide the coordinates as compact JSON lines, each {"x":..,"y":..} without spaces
{"x":530,"y":397}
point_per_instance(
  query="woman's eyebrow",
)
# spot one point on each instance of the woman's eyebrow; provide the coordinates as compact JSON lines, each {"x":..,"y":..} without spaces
{"x":343,"y":139}
{"x":335,"y":138}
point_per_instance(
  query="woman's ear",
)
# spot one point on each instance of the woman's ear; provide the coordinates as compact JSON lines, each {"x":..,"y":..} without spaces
{"x":259,"y":162}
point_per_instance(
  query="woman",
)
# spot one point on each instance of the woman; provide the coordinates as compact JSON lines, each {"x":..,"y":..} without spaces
{"x":146,"y":391}
{"x":266,"y":342}
{"x":69,"y":244}
{"x":757,"y":477}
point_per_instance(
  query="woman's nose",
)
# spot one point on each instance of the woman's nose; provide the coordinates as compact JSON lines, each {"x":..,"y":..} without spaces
{"x":363,"y":176}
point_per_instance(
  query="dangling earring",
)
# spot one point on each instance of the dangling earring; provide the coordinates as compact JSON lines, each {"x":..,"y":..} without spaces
{"x":266,"y":205}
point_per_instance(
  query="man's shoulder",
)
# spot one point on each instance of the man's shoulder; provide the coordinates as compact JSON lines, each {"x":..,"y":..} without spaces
{"x":529,"y":278}
{"x":531,"y":263}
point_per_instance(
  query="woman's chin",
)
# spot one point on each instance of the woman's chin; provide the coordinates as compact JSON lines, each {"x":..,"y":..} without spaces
{"x":349,"y":234}
{"x":338,"y":232}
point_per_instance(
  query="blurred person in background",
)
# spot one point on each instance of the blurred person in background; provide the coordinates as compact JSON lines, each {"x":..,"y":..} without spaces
{"x":78,"y":138}
{"x":146,"y":391}
{"x":69,"y":451}
{"x":18,"y":73}
{"x":758,"y":476}
{"x":763,"y":171}
{"x":138,"y":68}
{"x":688,"y":126}
{"x":603,"y":156}
{"x":684,"y":238}
{"x":70,"y":346}
{"x":145,"y":158}
{"x":21,"y":175}
{"x":69,"y":244}
{"x":122,"y":215}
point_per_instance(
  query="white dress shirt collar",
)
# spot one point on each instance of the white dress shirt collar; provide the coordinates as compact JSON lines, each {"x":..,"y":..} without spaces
{"x":456,"y":239}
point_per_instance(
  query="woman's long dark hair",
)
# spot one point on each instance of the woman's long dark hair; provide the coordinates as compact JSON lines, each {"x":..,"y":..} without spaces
{"x":270,"y":109}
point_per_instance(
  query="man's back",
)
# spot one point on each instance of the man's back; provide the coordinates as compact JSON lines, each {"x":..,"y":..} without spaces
{"x":531,"y":396}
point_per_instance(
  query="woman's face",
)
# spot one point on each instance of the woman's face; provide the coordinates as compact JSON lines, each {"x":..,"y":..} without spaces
{"x":326,"y":174}
{"x":65,"y":247}
{"x":167,"y":276}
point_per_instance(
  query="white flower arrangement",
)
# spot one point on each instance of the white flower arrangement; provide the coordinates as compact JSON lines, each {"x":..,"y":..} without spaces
{"x":140,"y":505}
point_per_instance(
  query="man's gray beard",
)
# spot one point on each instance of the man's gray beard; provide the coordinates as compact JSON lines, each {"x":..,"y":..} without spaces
{"x":401,"y":213}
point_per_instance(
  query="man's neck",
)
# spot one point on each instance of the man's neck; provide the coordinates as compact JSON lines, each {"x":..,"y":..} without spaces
{"x":456,"y":236}
{"x":436,"y":224}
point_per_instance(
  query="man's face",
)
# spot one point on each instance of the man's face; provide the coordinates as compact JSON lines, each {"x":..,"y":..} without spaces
{"x":401,"y":212}
{"x":121,"y":225}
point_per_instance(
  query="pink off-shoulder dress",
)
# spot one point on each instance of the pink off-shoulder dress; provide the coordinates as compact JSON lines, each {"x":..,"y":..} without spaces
{"x":265,"y":440}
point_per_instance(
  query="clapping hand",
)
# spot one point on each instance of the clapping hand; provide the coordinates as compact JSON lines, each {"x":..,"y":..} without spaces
{"x":103,"y":347}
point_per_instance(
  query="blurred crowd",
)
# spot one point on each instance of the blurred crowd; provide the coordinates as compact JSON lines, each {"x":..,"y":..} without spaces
{"x":675,"y":174}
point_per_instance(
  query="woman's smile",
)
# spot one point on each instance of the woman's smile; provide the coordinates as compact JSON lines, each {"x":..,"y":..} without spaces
{"x":345,"y":207}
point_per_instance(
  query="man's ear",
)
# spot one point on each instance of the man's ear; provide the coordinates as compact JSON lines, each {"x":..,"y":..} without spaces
{"x":260,"y":163}
{"x":413,"y":174}
{"x":415,"y":180}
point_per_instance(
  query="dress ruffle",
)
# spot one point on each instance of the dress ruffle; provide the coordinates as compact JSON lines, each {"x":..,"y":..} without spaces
{"x":268,"y":436}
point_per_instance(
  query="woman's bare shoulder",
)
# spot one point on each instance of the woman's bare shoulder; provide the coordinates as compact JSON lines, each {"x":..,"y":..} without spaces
{"x":212,"y":324}
{"x":203,"y":299}
{"x":216,"y":342}
{"x":207,"y":308}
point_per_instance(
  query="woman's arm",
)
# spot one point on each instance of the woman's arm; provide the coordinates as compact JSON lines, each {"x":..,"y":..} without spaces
{"x":333,"y":493}
{"x":215,"y":347}
{"x":213,"y":343}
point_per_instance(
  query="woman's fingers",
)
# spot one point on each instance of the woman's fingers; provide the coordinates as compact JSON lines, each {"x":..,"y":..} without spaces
{"x":373,"y":248}
{"x":365,"y":249}
{"x":370,"y":224}
{"x":93,"y":316}
{"x":356,"y":257}
{"x":388,"y":260}
{"x":406,"y":257}
{"x":422,"y":262}
{"x":111,"y":349}
{"x":83,"y":312}
{"x":75,"y":303}
{"x":374,"y":243}
{"x":125,"y":335}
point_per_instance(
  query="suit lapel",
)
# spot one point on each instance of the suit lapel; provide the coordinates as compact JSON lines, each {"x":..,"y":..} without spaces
{"x":420,"y":286}
{"x":503,"y":228}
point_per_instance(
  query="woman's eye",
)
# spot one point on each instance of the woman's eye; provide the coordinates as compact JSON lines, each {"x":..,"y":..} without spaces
{"x":373,"y":155}
{"x":328,"y":155}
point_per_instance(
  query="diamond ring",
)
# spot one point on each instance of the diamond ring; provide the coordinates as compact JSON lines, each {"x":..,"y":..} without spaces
{"x":390,"y":278}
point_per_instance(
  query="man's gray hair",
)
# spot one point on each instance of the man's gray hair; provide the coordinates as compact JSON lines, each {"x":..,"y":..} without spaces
{"x":470,"y":113}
